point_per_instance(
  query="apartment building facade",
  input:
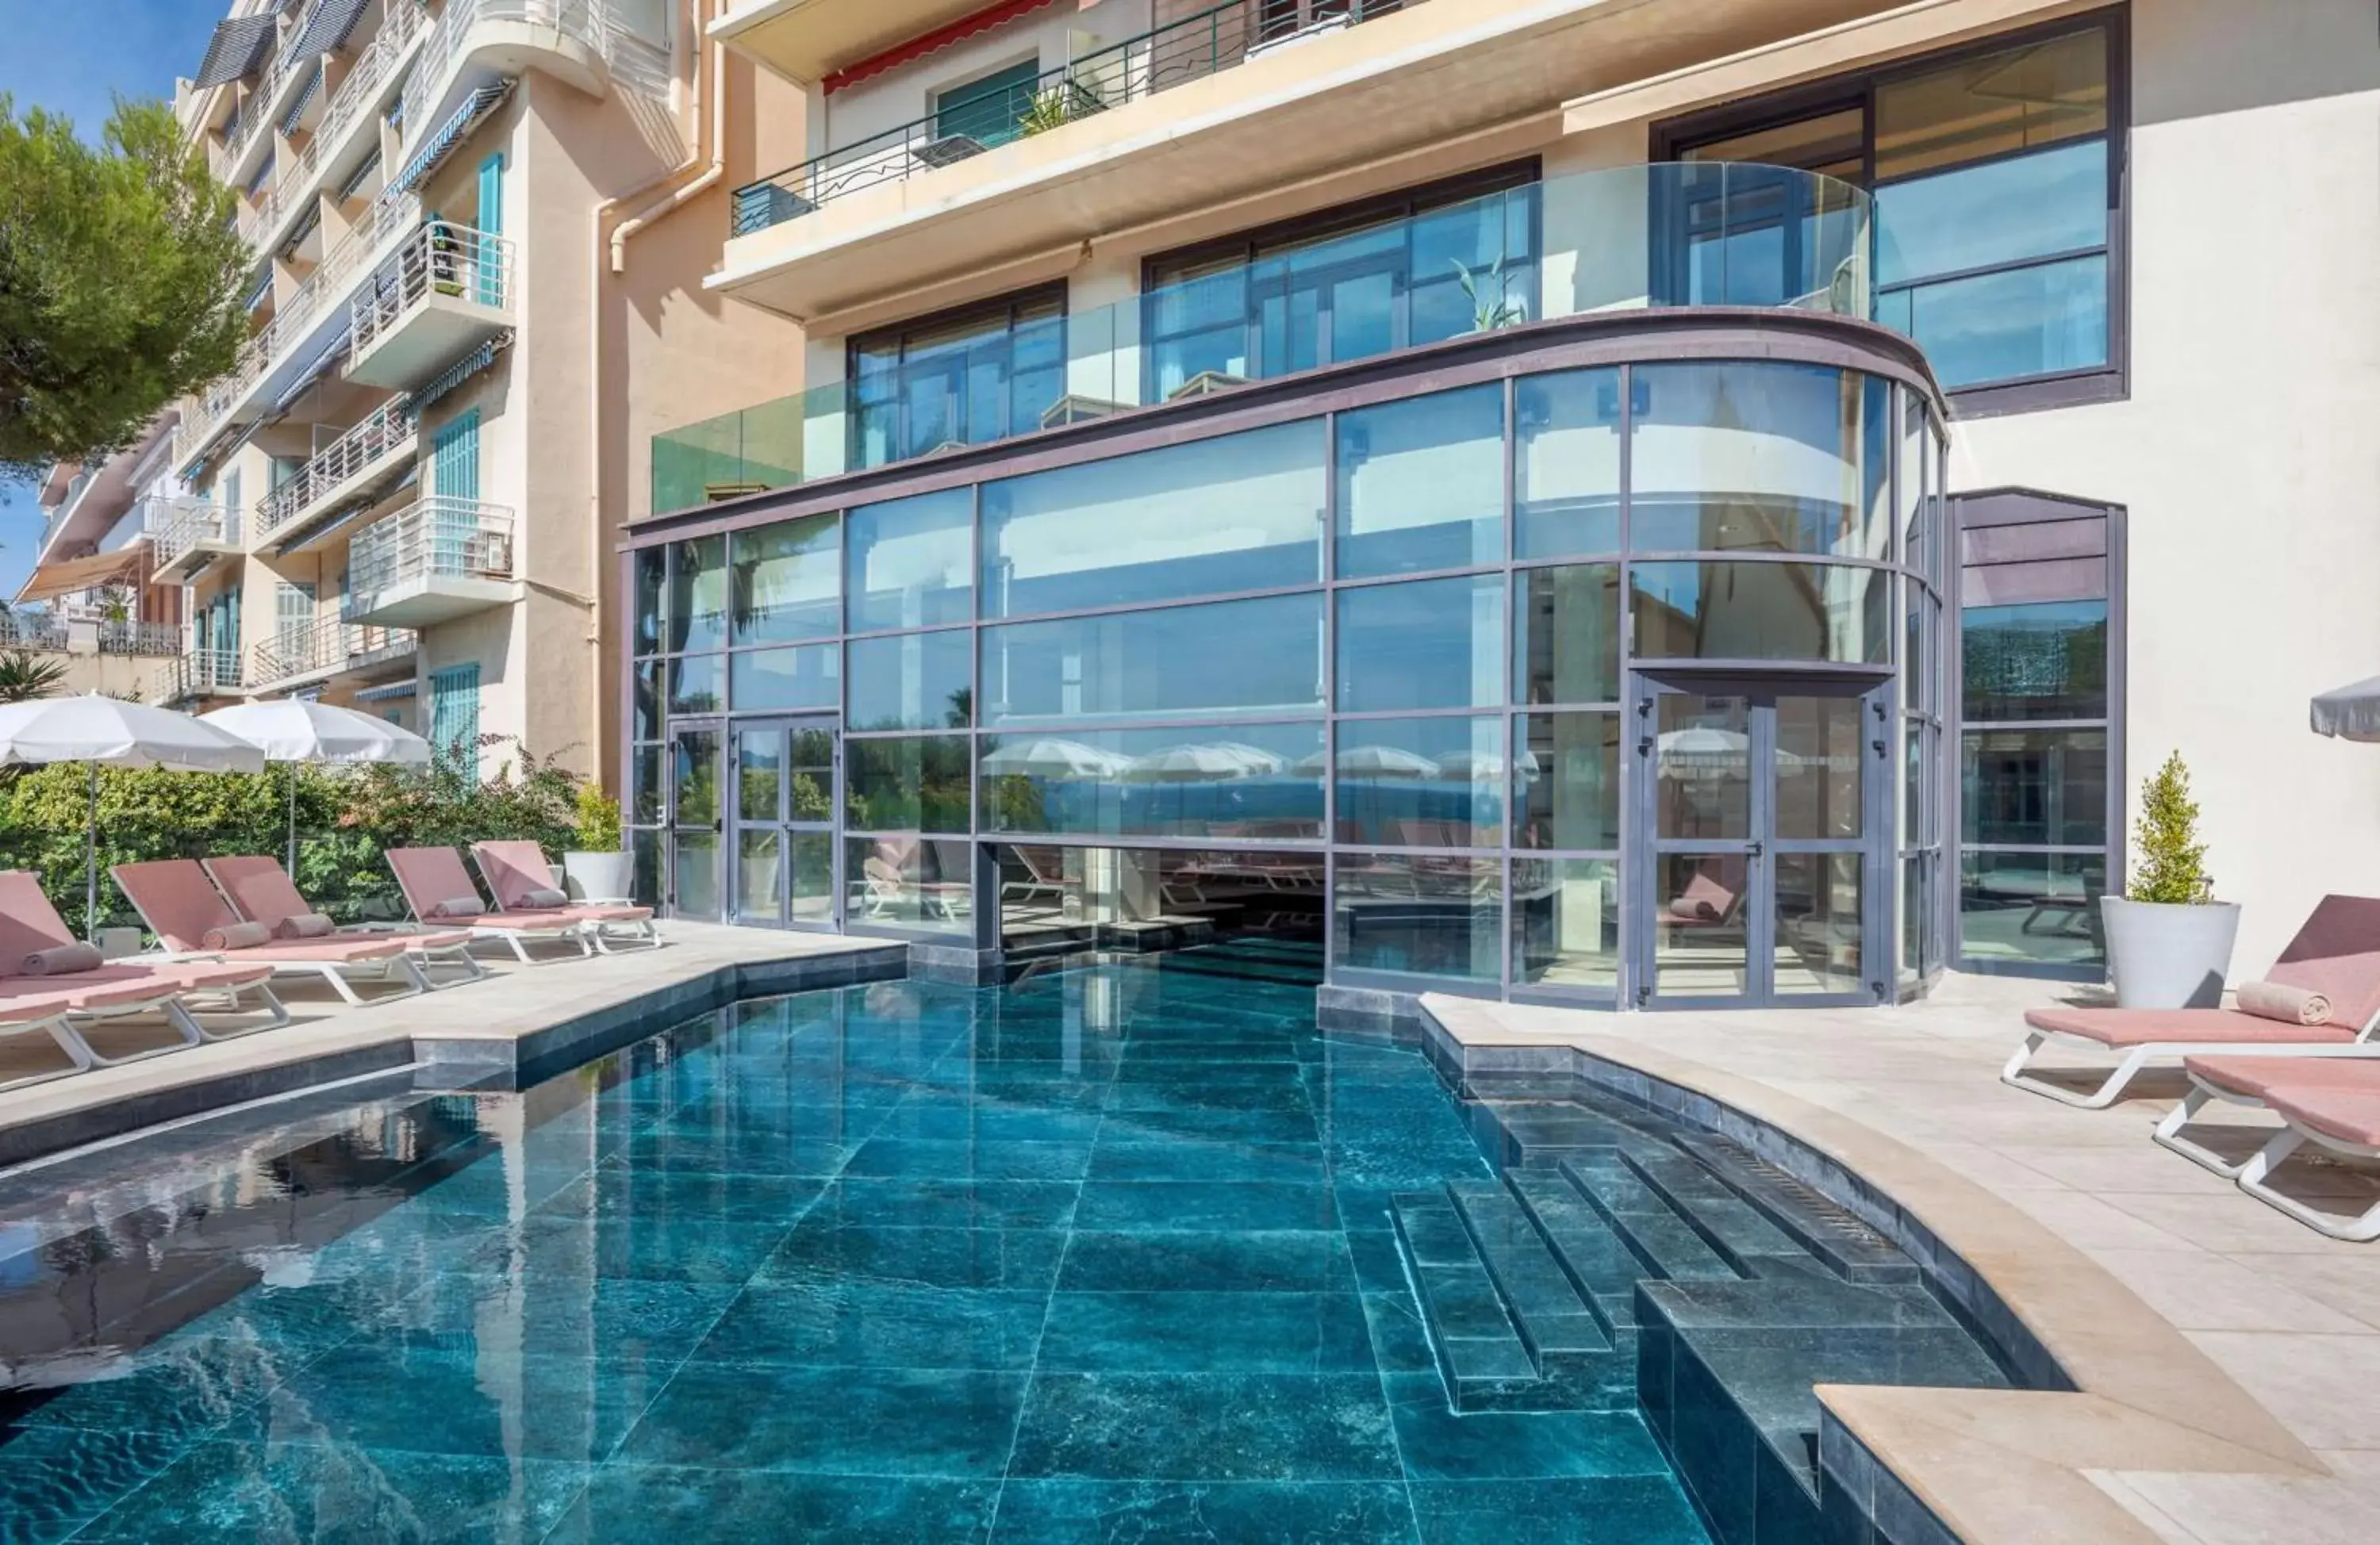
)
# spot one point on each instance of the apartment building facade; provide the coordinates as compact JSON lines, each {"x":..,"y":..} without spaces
{"x":87,"y":607}
{"x":401,"y":497}
{"x":1678,"y":504}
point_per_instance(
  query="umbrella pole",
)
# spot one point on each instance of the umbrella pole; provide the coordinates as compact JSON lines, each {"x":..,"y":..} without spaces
{"x":293,"y":821}
{"x":90,"y":861}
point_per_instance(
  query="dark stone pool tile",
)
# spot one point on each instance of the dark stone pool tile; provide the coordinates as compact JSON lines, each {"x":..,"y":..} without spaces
{"x":427,"y":1401}
{"x":640,"y":1504}
{"x":1606,"y":1510}
{"x":1399,"y":1344}
{"x":896,"y":1158}
{"x":1205,"y":1260}
{"x":1206,"y":1427}
{"x":341,"y":1496}
{"x":878,"y":1324}
{"x":1010,"y":1258}
{"x":948,"y":1118}
{"x":622,"y":1187}
{"x":1439,"y":1446}
{"x":1206,"y":1333}
{"x":177,"y":1389}
{"x":684,"y":1144}
{"x":658,"y":1249}
{"x":1379,"y":1264}
{"x":869,"y":1203}
{"x":1181,"y":1096}
{"x":1293,"y":1124}
{"x":630,"y":1319}
{"x":1195,"y":1158}
{"x":832,"y":1421}
{"x":314,"y":1316}
{"x":1244,"y":1512}
{"x":54,"y":1480}
{"x":1259,"y":1206}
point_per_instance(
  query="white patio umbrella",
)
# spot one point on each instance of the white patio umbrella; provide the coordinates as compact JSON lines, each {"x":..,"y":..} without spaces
{"x":2352,"y":713}
{"x":1204,"y":761}
{"x":298,"y":730}
{"x":105,"y":731}
{"x":1377,"y":761}
{"x":1048,"y":757}
{"x":1488,"y":766}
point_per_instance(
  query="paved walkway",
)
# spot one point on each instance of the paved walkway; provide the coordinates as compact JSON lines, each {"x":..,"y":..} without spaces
{"x":2294,"y":1318}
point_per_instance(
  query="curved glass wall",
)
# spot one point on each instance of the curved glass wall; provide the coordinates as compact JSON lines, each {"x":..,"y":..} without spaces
{"x":1409,"y":640}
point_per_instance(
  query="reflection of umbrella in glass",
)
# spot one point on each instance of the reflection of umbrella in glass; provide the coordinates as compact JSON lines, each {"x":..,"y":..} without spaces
{"x":1054,"y":759}
{"x":1376,"y":761}
{"x":1199,"y":762}
{"x":1488,"y":766}
{"x":1704,"y":742}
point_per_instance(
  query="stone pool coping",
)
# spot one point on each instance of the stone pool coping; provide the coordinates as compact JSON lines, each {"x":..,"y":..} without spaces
{"x":522,"y":1023}
{"x":1993,"y":1467}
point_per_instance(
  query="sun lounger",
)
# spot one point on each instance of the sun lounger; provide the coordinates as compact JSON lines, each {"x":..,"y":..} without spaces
{"x":515,"y":872}
{"x":433,"y":879}
{"x":63,"y":1004}
{"x":2336,"y":953}
{"x":2251,"y":1080}
{"x":179,"y":903}
{"x":262,"y":891}
{"x":2333,"y":1106}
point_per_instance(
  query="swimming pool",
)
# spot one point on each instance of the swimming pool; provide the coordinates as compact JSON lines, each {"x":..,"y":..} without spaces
{"x":1111,"y":1253}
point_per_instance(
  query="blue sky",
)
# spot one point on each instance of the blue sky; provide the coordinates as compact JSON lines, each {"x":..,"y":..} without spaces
{"x":72,"y":57}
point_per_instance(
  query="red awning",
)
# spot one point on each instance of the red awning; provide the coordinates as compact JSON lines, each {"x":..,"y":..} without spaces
{"x":941,"y":37}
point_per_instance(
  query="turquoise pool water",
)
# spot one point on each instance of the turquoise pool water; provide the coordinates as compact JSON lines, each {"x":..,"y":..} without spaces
{"x":1104,"y":1255}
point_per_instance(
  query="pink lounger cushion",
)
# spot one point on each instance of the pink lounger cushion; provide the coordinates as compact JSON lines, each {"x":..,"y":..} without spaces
{"x":2351,"y":1117}
{"x":2149,"y":1027}
{"x":264,"y":892}
{"x":179,"y":903}
{"x":27,"y":997}
{"x":2258,"y":1077}
{"x":514,"y":869}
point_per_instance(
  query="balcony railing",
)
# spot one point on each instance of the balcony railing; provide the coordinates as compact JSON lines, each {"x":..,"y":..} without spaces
{"x":1692,"y":233}
{"x":440,"y":537}
{"x":1189,"y":49}
{"x":324,"y":647}
{"x":131,"y":637}
{"x":32,"y":630}
{"x":584,"y":21}
{"x":200,"y":673}
{"x":176,"y":526}
{"x":453,"y":261}
{"x":293,"y":321}
{"x":357,"y":95}
{"x":389,"y":431}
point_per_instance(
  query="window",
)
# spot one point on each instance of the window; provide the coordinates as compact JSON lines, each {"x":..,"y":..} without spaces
{"x":787,"y":580}
{"x":1995,"y":171}
{"x":1421,"y":484}
{"x":962,"y":378}
{"x":1345,"y":284}
{"x":1212,"y":662}
{"x":909,"y":562}
{"x":455,"y":715}
{"x":988,"y":110}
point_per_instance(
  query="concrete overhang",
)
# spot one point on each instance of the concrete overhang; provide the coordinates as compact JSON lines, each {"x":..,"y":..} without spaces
{"x":806,"y":41}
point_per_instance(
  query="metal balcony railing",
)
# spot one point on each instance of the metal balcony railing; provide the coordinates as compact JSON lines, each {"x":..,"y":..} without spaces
{"x":176,"y":527}
{"x":387,"y":433}
{"x":328,"y":646}
{"x":131,"y":637}
{"x":200,"y":673}
{"x":32,"y":630}
{"x":445,"y":259}
{"x":356,"y":96}
{"x":1190,"y":49}
{"x":586,"y":21}
{"x":439,"y":538}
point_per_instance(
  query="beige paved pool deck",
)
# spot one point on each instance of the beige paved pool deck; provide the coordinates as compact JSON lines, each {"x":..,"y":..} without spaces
{"x":2229,"y":1357}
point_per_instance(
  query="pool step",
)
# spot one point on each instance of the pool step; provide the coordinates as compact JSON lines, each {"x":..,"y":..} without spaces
{"x":1666,"y":1245}
{"x":1599,"y":1263}
{"x":1479,"y":1354}
{"x":1739,"y":1232}
{"x":1848,"y":1247}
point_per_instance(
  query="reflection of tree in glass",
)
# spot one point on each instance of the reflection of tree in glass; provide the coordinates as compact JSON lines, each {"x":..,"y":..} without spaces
{"x":812,"y":800}
{"x":962,"y":713}
{"x":1017,"y":803}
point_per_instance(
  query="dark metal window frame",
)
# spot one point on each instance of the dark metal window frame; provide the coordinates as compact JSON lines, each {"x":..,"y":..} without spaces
{"x":1857,"y":89}
{"x":1007,"y":305}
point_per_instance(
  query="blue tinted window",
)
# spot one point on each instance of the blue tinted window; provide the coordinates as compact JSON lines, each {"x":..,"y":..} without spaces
{"x":787,"y":580}
{"x":1431,"y":643}
{"x":1232,"y":657}
{"x":911,"y":680}
{"x":1239,"y":513}
{"x":1247,"y":782}
{"x":910,"y":564}
{"x":2025,"y":321}
{"x":1434,"y":782}
{"x":1421,"y":484}
{"x":2000,"y":211}
{"x":1566,"y":464}
{"x":776,"y":681}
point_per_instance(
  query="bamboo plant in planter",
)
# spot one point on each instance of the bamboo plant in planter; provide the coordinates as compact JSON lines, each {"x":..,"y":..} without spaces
{"x":597,"y":870}
{"x":2169,"y":939}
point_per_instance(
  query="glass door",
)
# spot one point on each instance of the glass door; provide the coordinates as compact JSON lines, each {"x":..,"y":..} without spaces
{"x":1759,"y":834}
{"x":696,"y":787}
{"x":784,"y":851}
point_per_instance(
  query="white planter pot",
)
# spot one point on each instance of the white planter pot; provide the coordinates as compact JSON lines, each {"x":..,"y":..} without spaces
{"x":2169,"y":957}
{"x":599,"y":876}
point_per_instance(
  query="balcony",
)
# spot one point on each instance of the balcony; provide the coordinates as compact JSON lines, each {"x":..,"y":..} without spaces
{"x":196,"y":676}
{"x":318,"y":651}
{"x":338,"y":137}
{"x":806,"y":41}
{"x":434,"y":561}
{"x":447,"y":290}
{"x":1682,"y":235}
{"x":355,"y":466}
{"x":32,"y":630}
{"x":479,"y":41}
{"x":186,"y":537}
{"x":133,"y":637}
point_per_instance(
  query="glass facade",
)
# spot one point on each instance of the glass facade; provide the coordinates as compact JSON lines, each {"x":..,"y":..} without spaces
{"x":1393,"y":648}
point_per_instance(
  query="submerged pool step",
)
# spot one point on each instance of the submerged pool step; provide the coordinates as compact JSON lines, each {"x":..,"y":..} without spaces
{"x":1479,"y":1354}
{"x":1740,"y":1233}
{"x":1598,"y":1264}
{"x":1848,"y":1247}
{"x":1666,"y":1244}
{"x":1564,"y":1336}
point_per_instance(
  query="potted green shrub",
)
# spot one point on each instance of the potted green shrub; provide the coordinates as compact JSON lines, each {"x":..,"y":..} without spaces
{"x":597,"y":870}
{"x":2169,"y":939}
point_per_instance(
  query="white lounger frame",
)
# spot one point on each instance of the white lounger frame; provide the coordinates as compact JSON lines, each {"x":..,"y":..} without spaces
{"x":173,"y":1003}
{"x":2019,"y":1073}
{"x":2360,"y":1229}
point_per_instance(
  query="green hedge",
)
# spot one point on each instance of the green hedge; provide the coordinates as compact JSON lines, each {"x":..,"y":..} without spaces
{"x":347,"y":819}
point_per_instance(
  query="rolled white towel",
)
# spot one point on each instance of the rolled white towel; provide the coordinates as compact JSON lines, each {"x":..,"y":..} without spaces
{"x":2277,"y":1000}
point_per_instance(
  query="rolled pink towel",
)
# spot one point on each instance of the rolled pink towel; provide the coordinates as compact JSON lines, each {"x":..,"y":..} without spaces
{"x":2274,"y":1000}
{"x":237,"y":936}
{"x":305,"y":925}
{"x":542,"y":900}
{"x":459,"y":906}
{"x":63,"y":959}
